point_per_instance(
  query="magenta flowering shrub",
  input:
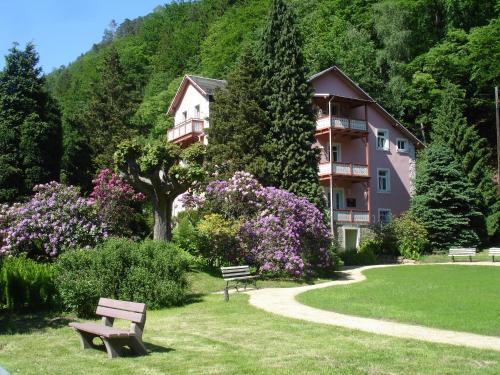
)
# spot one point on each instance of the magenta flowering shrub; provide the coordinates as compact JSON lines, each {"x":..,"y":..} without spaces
{"x":114,"y":199}
{"x":280,"y":233}
{"x":56,"y":218}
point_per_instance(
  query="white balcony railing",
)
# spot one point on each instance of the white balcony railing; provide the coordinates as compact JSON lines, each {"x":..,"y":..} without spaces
{"x":344,"y":169}
{"x":192,"y":127}
{"x":351,"y":216}
{"x":322,"y":123}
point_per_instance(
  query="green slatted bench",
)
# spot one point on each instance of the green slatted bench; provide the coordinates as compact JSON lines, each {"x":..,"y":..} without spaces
{"x":115,"y":338}
{"x":237,"y":274}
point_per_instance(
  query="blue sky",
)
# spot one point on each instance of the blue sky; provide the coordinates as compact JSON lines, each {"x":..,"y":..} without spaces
{"x":63,"y":29}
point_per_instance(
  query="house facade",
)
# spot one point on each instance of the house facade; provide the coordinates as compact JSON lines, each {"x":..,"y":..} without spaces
{"x":367,"y":158}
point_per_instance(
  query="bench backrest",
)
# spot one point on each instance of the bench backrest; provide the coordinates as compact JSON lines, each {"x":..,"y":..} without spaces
{"x":462,"y":251}
{"x":113,"y":308}
{"x":494,"y":250}
{"x":237,"y":271}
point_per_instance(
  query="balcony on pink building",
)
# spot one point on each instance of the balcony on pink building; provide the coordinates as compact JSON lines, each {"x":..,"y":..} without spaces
{"x":351,"y":216}
{"x":353,"y":172}
{"x":186,"y":132}
{"x":344,"y":124}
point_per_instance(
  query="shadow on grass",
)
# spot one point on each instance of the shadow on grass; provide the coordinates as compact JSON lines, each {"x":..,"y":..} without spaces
{"x":18,"y":323}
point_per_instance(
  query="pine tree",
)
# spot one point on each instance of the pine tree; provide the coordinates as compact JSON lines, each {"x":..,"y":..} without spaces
{"x":292,"y":162}
{"x":30,"y":129}
{"x":471,"y":151}
{"x":444,"y":200}
{"x":112,"y":105}
{"x":238,"y":124}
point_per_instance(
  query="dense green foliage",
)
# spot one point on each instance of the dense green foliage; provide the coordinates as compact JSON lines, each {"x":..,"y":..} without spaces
{"x":362,"y":257}
{"x":149,"y":272}
{"x":30,"y":126}
{"x":411,"y":236}
{"x":445,"y":202}
{"x":26,"y":284}
{"x":291,"y":159}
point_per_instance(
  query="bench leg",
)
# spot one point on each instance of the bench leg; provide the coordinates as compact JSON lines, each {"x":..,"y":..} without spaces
{"x":255,"y":283}
{"x":453,"y":259}
{"x":137,"y":346}
{"x":470,"y":258}
{"x":112,"y":348}
{"x":226,"y":294}
{"x":493,"y":258}
{"x":86,"y":340}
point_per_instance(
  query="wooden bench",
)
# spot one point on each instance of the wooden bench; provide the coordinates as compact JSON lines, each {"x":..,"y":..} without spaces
{"x":115,"y":338}
{"x":238,"y":274}
{"x":462,"y":252}
{"x":494,"y":251}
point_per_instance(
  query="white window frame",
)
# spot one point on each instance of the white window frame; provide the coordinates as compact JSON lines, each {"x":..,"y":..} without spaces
{"x":197,"y":112}
{"x":386,"y":139}
{"x":388,"y":180}
{"x":184,"y":115}
{"x":388,"y":210}
{"x":402,"y":150}
{"x":339,"y":152}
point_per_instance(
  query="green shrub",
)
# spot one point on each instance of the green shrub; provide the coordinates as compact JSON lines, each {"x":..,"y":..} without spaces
{"x":151,"y":272}
{"x":27,"y":284}
{"x":411,"y":236}
{"x":364,"y":256}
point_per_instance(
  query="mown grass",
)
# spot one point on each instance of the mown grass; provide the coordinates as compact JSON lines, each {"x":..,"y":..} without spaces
{"x":464,"y":298}
{"x":210,"y":336}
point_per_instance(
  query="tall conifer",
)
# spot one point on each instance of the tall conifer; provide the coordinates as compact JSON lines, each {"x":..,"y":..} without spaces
{"x":292,"y":162}
{"x":238,"y":123}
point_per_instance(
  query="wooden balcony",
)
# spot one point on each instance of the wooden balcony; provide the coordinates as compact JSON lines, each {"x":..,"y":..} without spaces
{"x":186,"y":132}
{"x":355,"y":127}
{"x":351,"y":216}
{"x":354,"y":172}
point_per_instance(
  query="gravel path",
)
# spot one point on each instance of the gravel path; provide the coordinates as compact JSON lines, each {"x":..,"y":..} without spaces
{"x":282,"y":301}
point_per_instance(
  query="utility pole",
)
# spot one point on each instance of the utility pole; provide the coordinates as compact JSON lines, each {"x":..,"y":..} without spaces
{"x":498,"y":138}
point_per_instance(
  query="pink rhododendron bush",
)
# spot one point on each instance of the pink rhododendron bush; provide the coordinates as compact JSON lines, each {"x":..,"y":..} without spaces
{"x":279,"y":232}
{"x":54,"y":219}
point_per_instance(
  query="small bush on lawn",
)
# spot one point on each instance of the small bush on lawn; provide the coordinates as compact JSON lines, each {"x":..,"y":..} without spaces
{"x":187,"y":237}
{"x":151,"y":272}
{"x":411,"y":236}
{"x":364,"y":256}
{"x":25,"y":284}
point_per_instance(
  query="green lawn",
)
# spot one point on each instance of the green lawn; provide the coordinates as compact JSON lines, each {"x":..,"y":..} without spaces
{"x":210,"y":336}
{"x":455,"y":297}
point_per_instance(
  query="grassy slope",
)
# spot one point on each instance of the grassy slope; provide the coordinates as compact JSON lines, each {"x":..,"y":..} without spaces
{"x":214,"y":337}
{"x":451,"y":297}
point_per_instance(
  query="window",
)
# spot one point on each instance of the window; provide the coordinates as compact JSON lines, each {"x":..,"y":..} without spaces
{"x":336,"y":151}
{"x":384,"y":216}
{"x":402,"y":145}
{"x":382,"y":139}
{"x":383,"y":177}
{"x":351,"y":202}
{"x":197,"y":111}
{"x":327,"y":197}
{"x":184,"y":115}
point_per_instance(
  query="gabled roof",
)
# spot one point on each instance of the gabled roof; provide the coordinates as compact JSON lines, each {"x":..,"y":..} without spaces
{"x":368,"y":98}
{"x":206,"y":86}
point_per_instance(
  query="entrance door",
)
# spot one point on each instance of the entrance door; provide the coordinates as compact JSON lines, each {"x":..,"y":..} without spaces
{"x":338,"y":199}
{"x":350,"y":239}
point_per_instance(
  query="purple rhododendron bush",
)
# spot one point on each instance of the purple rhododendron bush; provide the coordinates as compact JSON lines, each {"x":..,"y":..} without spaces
{"x":54,"y":219}
{"x":279,"y":232}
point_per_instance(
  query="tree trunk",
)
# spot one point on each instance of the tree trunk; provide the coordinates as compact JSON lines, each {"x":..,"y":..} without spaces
{"x":162,"y":207}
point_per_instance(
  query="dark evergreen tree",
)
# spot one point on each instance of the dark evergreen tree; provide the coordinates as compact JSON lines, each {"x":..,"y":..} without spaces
{"x":30,"y":129}
{"x":76,"y":162}
{"x":292,"y":162}
{"x":471,"y":151}
{"x":108,"y":119}
{"x":444,"y":200}
{"x":238,"y":124}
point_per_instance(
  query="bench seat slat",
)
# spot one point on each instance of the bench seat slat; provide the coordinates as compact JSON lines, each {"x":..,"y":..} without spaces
{"x":120,"y":314}
{"x":236,"y":274}
{"x":101,"y":330}
{"x":242,"y":278}
{"x":494,"y":251}
{"x":233,"y":268}
{"x":123,"y":305}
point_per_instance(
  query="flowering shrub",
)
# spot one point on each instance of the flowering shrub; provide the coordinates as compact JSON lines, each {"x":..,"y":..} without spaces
{"x":54,"y":219}
{"x":280,"y":232}
{"x":114,"y":199}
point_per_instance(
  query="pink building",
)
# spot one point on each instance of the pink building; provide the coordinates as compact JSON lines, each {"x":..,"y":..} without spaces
{"x":367,"y":162}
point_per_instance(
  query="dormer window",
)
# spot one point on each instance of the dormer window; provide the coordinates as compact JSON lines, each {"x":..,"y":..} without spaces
{"x":382,"y":139}
{"x":197,"y":111}
{"x":402,"y":145}
{"x":184,"y":115}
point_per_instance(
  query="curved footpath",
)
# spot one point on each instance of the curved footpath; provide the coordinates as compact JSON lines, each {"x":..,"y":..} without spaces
{"x":282,"y":301}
